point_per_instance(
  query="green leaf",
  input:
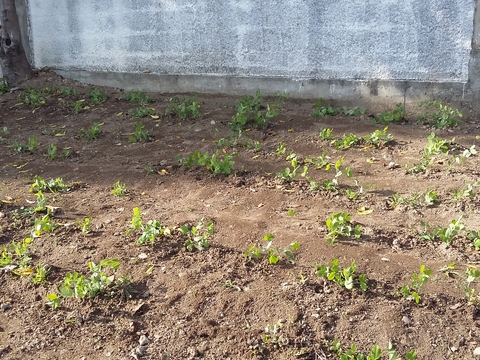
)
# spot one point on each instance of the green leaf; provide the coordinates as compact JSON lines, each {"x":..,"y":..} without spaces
{"x":272,"y":259}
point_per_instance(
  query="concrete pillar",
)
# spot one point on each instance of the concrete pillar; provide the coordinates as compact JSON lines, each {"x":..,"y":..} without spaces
{"x":474,"y":65}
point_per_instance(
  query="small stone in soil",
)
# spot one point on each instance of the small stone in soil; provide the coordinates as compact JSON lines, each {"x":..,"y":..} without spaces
{"x":141,"y":350}
{"x":406,"y":320}
{"x":143,"y":340}
{"x":476,"y":352}
{"x":5,"y":307}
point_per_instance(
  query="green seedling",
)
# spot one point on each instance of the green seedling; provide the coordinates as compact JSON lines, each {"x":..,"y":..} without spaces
{"x":435,"y":146}
{"x":291,"y":174}
{"x":97,"y":96}
{"x":99,"y":283}
{"x":52,"y":185}
{"x":234,"y":140}
{"x":16,"y":254}
{"x":30,"y":146}
{"x":339,"y":225}
{"x":230,"y":284}
{"x":150,"y":231}
{"x":420,"y":167}
{"x":326,"y":134}
{"x":272,"y":334}
{"x":3,"y":87}
{"x":250,"y":112}
{"x":3,"y":131}
{"x":387,"y":117}
{"x":474,"y":237}
{"x":214,"y":163}
{"x":438,"y":115}
{"x":183,"y":108}
{"x":32,"y":97}
{"x":346,"y":142}
{"x":141,"y":112}
{"x":323,"y":161}
{"x":281,"y":149}
{"x":379,"y":138}
{"x":40,"y":274}
{"x":197,"y":236}
{"x":446,"y":234}
{"x":473,"y":274}
{"x":84,"y":225}
{"x":43,"y":224}
{"x":291,"y":212}
{"x":140,"y":134}
{"x":273,"y":253}
{"x":138,"y":96}
{"x":355,"y":111}
{"x":466,"y":193}
{"x":417,"y":283}
{"x":65,"y":91}
{"x":375,"y":352}
{"x":92,"y":133}
{"x":344,"y":277}
{"x":51,"y":152}
{"x":119,"y":189}
{"x":78,"y":106}
{"x":431,"y":198}
{"x":321,"y":109}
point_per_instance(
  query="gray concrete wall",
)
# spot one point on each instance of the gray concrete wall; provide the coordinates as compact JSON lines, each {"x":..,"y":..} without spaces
{"x":337,"y":48}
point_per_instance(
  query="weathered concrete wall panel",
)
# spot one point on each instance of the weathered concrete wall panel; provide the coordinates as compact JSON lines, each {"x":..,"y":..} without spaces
{"x":428,"y":40}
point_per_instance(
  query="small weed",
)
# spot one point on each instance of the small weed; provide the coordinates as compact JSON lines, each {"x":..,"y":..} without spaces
{"x":234,"y":140}
{"x":344,"y":277}
{"x":32,"y":97}
{"x":375,"y":352}
{"x":387,"y":117}
{"x":326,"y":134}
{"x":273,"y":253}
{"x":321,"y":109}
{"x":52,"y":185}
{"x":323,"y":161}
{"x":183,"y":108}
{"x":119,"y":189}
{"x":92,"y":133}
{"x":30,"y":146}
{"x":346,"y":142}
{"x":339,"y":225}
{"x":40,"y":274}
{"x":474,"y":237}
{"x":138,"y":96}
{"x":473,"y":274}
{"x":3,"y":131}
{"x":355,"y":111}
{"x":417,"y":168}
{"x":416,"y":285}
{"x":379,"y":138}
{"x":446,"y":234}
{"x":281,"y":149}
{"x":272,"y":334}
{"x":65,"y":91}
{"x":251,"y":112}
{"x":16,"y":254}
{"x":150,"y":231}
{"x":97,"y":96}
{"x":438,"y":115}
{"x":197,"y":236}
{"x":3,"y":87}
{"x":230,"y":284}
{"x":291,"y":213}
{"x":43,"y":224}
{"x":291,"y":174}
{"x":84,"y":225}
{"x":213,"y":162}
{"x":51,"y":152}
{"x":78,"y":106}
{"x":141,"y":112}
{"x":140,"y":134}
{"x":466,"y":193}
{"x":435,"y":146}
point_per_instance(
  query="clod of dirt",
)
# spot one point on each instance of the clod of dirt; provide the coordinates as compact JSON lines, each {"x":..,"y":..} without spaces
{"x":143,"y":340}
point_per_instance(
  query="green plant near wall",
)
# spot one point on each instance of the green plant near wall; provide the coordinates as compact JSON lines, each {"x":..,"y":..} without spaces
{"x":215,"y":163}
{"x":183,"y":108}
{"x":387,"y":117}
{"x":251,"y":112}
{"x":438,"y":115}
{"x":321,"y":108}
{"x":3,"y":87}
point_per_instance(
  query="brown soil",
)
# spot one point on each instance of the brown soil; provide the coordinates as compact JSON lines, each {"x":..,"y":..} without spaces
{"x":180,"y":299}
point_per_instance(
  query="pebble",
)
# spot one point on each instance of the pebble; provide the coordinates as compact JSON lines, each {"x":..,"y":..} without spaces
{"x":476,"y":352}
{"x":141,"y":350}
{"x":406,"y":320}
{"x":143,"y":340}
{"x":142,"y":256}
{"x":5,"y":307}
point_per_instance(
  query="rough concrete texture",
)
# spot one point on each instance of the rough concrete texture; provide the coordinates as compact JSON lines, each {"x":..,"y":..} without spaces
{"x":427,"y":41}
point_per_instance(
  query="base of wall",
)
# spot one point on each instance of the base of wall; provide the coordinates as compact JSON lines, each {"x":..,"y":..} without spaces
{"x":360,"y":92}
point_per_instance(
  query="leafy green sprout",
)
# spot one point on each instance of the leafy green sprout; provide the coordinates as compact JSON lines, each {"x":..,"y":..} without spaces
{"x":472,"y":274}
{"x":378,"y":138}
{"x":3,"y":87}
{"x":183,"y":108}
{"x":474,"y":237}
{"x":140,"y":134}
{"x":417,"y":283}
{"x":52,"y":185}
{"x":119,"y":189}
{"x":446,"y":234}
{"x":65,"y":91}
{"x":435,"y":146}
{"x":3,"y":131}
{"x":141,"y":112}
{"x":321,"y":109}
{"x":29,"y":146}
{"x":97,"y":96}
{"x":339,"y":225}
{"x":138,"y":96}
{"x":387,"y":117}
{"x":355,"y":111}
{"x":438,"y":115}
{"x":215,"y":163}
{"x":150,"y":230}
{"x":32,"y":97}
{"x":375,"y":353}
{"x":273,"y":253}
{"x":326,"y":134}
{"x":230,"y":284}
{"x":197,"y":236}
{"x":51,"y":152}
{"x":251,"y":113}
{"x":346,"y":142}
{"x":345,"y":277}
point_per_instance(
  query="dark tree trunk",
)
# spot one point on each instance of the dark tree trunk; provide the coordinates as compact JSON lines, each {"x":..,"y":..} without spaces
{"x":14,"y":63}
